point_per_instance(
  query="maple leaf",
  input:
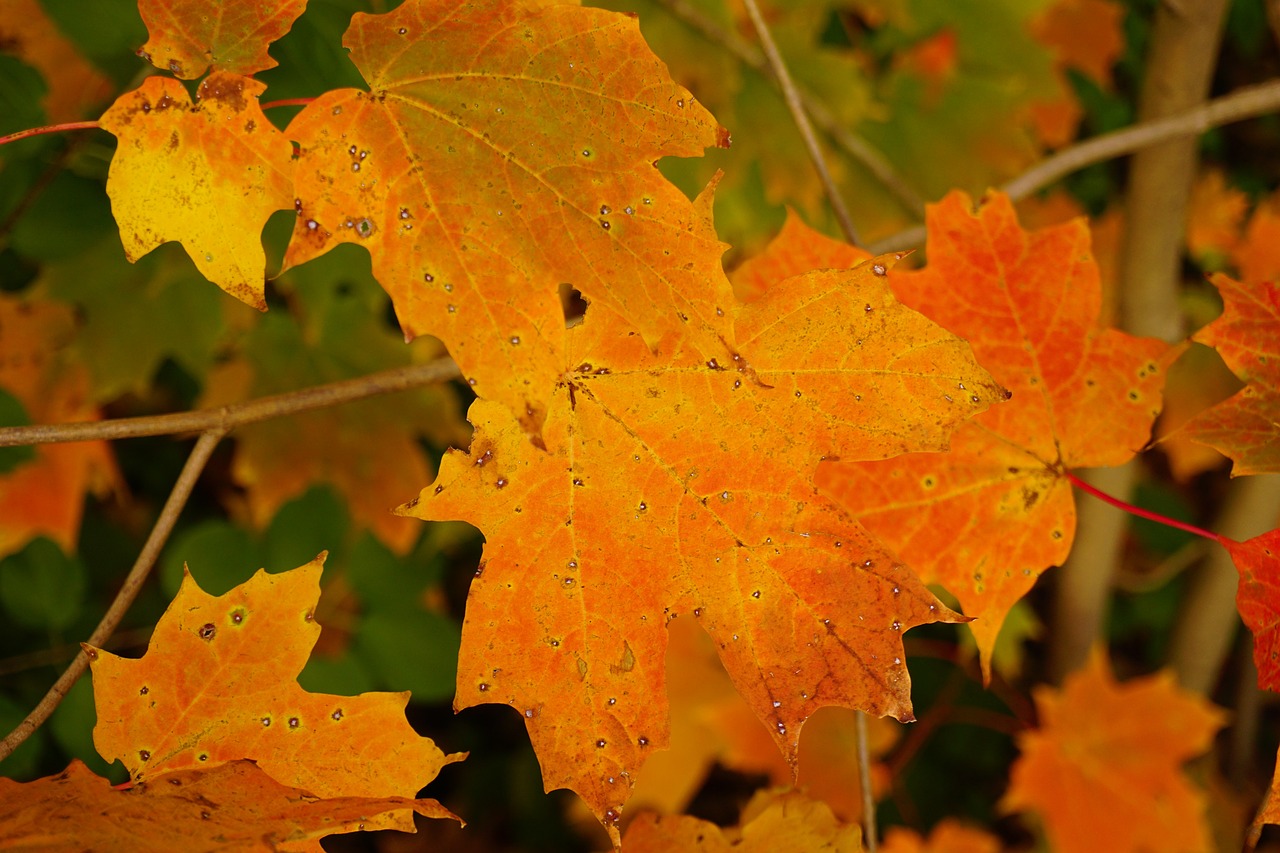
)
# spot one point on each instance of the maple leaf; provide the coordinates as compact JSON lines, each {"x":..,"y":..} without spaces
{"x":217,"y":685}
{"x":507,"y":147}
{"x":74,"y":84}
{"x":1215,"y":213}
{"x":1258,"y":600}
{"x":1268,"y":812}
{"x":1104,"y":763}
{"x":45,"y":496}
{"x":774,"y":821}
{"x":947,"y":836}
{"x":987,"y":517}
{"x":1257,"y":256}
{"x":1087,"y":36}
{"x":207,"y":174}
{"x":77,"y":810}
{"x":667,"y":483}
{"x":1246,"y":426}
{"x":797,"y":249}
{"x":710,"y":723}
{"x":187,"y":37}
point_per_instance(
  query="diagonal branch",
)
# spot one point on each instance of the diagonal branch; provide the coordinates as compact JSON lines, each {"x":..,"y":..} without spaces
{"x":857,"y":149}
{"x":128,"y":591}
{"x":228,"y":417}
{"x":1246,"y":102}
{"x":792,"y":97}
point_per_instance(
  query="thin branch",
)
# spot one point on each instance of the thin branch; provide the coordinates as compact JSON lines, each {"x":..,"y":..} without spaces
{"x":1244,"y":103}
{"x":52,"y":128}
{"x":128,"y":591}
{"x":858,"y":150}
{"x":238,"y":414}
{"x":792,"y":97}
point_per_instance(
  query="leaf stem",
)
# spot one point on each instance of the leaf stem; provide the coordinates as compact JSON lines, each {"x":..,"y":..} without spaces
{"x":52,"y":128}
{"x":128,"y":591}
{"x":238,"y":414}
{"x":287,"y":102}
{"x":1244,"y":103}
{"x":801,"y":118}
{"x":1139,"y":511}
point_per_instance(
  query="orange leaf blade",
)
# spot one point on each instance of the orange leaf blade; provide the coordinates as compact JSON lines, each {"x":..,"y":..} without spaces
{"x":189,"y":36}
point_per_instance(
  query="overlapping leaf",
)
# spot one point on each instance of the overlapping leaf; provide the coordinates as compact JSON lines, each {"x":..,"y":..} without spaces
{"x":187,"y":37}
{"x":1106,"y":761}
{"x":986,"y":518}
{"x":506,"y":147}
{"x":207,"y":174}
{"x":947,"y":836}
{"x":233,"y":806}
{"x":671,"y":484}
{"x":45,"y":496}
{"x":218,"y":684}
{"x":1258,"y":600}
{"x":1245,"y":427}
{"x":775,"y":821}
{"x":73,"y":83}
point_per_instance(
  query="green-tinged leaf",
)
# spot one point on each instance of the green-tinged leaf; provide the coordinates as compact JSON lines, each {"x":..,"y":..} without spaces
{"x":218,"y":554}
{"x":411,"y":650}
{"x":41,"y":587}
{"x":317,"y":521}
{"x":134,"y":316}
{"x":24,"y":763}
{"x":68,"y":214}
{"x":21,"y":88}
{"x":344,"y":675}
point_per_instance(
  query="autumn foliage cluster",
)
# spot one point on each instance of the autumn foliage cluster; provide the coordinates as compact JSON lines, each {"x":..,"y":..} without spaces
{"x":721,"y":461}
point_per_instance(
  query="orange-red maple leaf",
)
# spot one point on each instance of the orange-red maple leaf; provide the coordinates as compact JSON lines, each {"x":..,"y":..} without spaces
{"x":1085,"y":35}
{"x":45,"y":496}
{"x":504,"y":148}
{"x":670,"y":484}
{"x":207,"y":174}
{"x":774,"y":821}
{"x":218,"y":684}
{"x":1245,"y":427}
{"x":1258,"y":600}
{"x":1105,"y":763}
{"x":797,"y":249}
{"x":987,"y":517}
{"x":187,"y":37}
{"x":948,"y":836}
{"x":251,"y":811}
{"x":1257,"y":256}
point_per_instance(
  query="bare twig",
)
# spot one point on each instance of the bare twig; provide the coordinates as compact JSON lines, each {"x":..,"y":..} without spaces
{"x":801,"y":118}
{"x":857,"y":149}
{"x":228,"y":417}
{"x":128,"y":591}
{"x":1246,"y":102}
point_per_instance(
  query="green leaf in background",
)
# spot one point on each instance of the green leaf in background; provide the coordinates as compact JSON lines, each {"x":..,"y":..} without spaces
{"x":134,"y":316}
{"x":218,"y":554}
{"x":12,"y":413}
{"x":107,"y":32}
{"x":68,"y":214}
{"x":72,"y":728}
{"x":42,"y":588}
{"x":24,"y":763}
{"x":21,"y":92}
{"x":317,"y":521}
{"x":411,"y":650}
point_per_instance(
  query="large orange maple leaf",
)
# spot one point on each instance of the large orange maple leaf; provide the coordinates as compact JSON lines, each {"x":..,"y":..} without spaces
{"x":504,"y":148}
{"x":1103,"y":768}
{"x":1245,"y":427}
{"x":668,"y":483}
{"x":987,"y":517}
{"x":218,"y":684}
